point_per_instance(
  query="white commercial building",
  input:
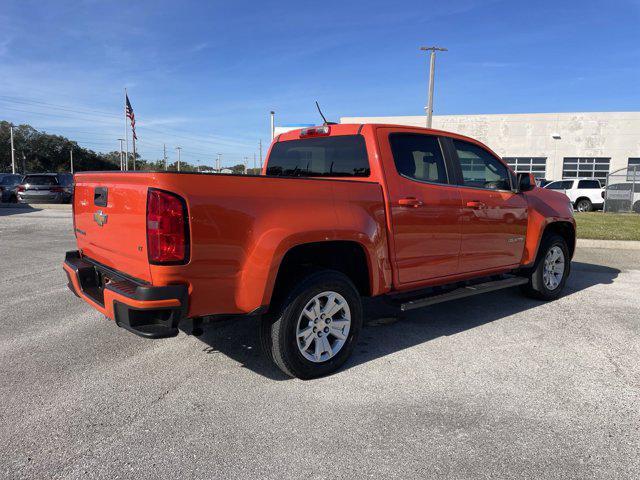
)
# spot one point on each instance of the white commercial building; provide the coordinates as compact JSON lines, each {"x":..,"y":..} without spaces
{"x":550,"y":145}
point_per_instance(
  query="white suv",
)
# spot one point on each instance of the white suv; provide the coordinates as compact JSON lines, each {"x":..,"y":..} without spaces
{"x":586,"y":194}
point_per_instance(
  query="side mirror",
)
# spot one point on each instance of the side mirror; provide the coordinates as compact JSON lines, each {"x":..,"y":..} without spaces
{"x":526,"y":182}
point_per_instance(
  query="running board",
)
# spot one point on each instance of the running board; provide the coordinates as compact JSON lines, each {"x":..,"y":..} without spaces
{"x":463,"y":292}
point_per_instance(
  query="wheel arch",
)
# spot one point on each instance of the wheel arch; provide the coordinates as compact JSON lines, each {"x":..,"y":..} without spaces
{"x":563,"y":227}
{"x":566,"y":230}
{"x":345,"y":256}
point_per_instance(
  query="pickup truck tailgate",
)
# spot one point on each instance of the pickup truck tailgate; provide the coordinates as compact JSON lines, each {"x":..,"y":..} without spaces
{"x":110,"y":221}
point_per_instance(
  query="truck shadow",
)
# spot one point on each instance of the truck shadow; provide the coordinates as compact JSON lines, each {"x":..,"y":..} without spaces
{"x":388,"y":331}
{"x":7,"y":209}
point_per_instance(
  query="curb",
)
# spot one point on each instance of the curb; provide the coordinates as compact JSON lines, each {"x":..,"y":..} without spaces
{"x":609,"y":244}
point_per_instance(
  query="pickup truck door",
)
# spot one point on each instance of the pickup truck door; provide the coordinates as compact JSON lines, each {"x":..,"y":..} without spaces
{"x":494,"y":220}
{"x":424,"y":206}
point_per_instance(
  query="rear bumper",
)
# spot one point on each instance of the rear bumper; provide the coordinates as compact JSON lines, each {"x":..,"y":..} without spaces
{"x":146,"y":310}
{"x":40,"y":197}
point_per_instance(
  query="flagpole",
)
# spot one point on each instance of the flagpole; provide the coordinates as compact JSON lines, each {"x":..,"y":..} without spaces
{"x":126,"y":130}
{"x":134,"y":152}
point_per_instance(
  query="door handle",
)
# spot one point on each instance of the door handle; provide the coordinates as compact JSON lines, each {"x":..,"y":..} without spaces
{"x":410,"y":202}
{"x":476,"y":205}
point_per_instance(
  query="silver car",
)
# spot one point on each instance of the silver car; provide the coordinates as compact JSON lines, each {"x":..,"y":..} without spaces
{"x":45,"y":188}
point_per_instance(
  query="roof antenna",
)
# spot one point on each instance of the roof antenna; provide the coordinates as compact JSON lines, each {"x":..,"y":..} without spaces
{"x":323,"y":117}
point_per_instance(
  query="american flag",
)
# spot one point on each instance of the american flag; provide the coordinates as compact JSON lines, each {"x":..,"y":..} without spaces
{"x":132,"y":117}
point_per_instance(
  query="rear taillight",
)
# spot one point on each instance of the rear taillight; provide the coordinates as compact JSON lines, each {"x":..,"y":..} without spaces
{"x":167,"y":228}
{"x":321,"y":131}
{"x":21,"y":188}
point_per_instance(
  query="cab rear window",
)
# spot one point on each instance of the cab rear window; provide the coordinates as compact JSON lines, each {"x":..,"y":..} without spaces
{"x":339,"y":156}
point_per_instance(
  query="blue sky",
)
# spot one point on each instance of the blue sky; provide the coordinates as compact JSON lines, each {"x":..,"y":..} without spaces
{"x":204,"y":75}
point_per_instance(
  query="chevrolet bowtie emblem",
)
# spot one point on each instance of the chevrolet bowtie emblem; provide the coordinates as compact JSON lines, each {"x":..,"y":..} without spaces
{"x":100,"y":218}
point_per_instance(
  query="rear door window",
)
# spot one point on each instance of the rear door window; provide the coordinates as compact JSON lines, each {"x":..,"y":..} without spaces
{"x":418,"y":157}
{"x":41,"y":180}
{"x":339,"y":156}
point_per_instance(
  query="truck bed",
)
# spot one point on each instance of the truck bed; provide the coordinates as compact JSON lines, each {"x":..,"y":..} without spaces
{"x":236,"y":223}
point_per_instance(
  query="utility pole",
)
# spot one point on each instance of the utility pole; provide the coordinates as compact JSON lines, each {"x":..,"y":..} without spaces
{"x":178,"y":149}
{"x":164,"y":155}
{"x":126,"y":131}
{"x":273,"y":125}
{"x":432,"y":67}
{"x":13,"y":151}
{"x":71,"y":158}
{"x":121,"y":154}
{"x":260,"y":147}
{"x":218,"y":163}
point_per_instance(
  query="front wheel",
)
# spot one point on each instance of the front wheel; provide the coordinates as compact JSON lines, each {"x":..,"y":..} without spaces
{"x":550,"y":272}
{"x":317,"y":327}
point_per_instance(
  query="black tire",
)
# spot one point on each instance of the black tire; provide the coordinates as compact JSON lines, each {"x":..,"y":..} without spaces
{"x":278,"y":332}
{"x":584,"y":205}
{"x":636,"y":207}
{"x":536,"y":288}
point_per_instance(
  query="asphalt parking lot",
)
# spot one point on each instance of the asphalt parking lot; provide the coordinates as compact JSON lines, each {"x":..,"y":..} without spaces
{"x":496,"y":386}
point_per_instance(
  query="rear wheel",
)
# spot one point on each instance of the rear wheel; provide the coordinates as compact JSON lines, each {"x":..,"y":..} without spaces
{"x":317,"y":326}
{"x":584,"y":205}
{"x":550,"y":272}
{"x":636,"y":207}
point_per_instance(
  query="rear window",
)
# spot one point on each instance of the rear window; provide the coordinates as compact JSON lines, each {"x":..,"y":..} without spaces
{"x":589,"y":184}
{"x":340,"y":156}
{"x":40,"y":180}
{"x":10,"y":180}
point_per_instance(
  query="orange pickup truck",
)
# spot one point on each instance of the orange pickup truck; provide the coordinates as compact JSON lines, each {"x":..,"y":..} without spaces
{"x":340,"y":212}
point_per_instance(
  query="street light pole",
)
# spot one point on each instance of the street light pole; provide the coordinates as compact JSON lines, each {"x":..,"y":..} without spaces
{"x":432,"y":68}
{"x":13,"y":151}
{"x":71,"y":158}
{"x":273,"y":125}
{"x":178,"y":149}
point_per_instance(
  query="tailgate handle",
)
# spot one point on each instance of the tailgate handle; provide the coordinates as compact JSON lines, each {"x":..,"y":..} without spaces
{"x":100,"y":196}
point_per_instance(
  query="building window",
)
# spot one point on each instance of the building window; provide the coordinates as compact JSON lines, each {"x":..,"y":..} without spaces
{"x":633,"y":167}
{"x":585,"y":167}
{"x":535,"y":165}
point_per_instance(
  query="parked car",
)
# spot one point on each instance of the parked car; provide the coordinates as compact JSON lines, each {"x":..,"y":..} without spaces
{"x":586,"y":194}
{"x":9,"y":187}
{"x":46,"y":188}
{"x":621,"y":198}
{"x":341,"y":212}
